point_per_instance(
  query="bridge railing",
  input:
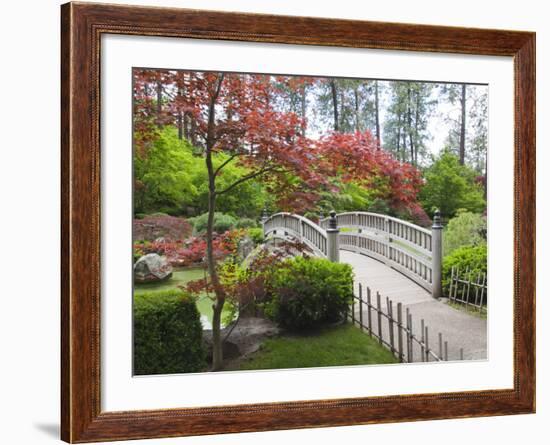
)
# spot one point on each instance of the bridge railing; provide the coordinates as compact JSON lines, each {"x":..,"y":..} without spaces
{"x":409,"y":234}
{"x":412,"y":250}
{"x":406,"y":247}
{"x":282,"y":224}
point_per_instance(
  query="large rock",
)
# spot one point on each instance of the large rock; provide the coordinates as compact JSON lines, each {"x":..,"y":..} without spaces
{"x":245,"y":337}
{"x":152,"y":268}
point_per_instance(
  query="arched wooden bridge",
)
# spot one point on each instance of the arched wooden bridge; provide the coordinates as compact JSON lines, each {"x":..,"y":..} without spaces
{"x":398,"y":259}
{"x":396,"y":245}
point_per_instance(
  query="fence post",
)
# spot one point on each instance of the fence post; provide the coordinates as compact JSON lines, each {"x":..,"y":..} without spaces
{"x":369,"y":317}
{"x":389,"y":308}
{"x":379,"y":313}
{"x":333,"y":248}
{"x":437,"y":253}
{"x":361,"y":306}
{"x":399,"y":331}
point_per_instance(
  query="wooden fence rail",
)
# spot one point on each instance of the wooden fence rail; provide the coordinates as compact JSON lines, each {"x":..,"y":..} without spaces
{"x":469,"y":289}
{"x":393,"y":328}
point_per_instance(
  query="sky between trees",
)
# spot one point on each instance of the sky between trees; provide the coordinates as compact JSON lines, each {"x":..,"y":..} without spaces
{"x":439,"y":114}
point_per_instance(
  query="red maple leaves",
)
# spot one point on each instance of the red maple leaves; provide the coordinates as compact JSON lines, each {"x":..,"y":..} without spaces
{"x":241,"y":115}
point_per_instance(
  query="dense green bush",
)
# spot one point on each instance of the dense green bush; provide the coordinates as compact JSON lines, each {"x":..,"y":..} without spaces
{"x":256,"y":234}
{"x":245,"y":223}
{"x":473,"y":258}
{"x":307,"y":292}
{"x":222,"y":223}
{"x":167,"y":334}
{"x":465,"y":229}
{"x":172,"y":178}
{"x":450,"y":186}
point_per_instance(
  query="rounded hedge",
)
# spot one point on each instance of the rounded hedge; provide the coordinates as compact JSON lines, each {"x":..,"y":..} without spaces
{"x":222,"y":223}
{"x":245,"y":223}
{"x":308,"y":292}
{"x":167,"y":334}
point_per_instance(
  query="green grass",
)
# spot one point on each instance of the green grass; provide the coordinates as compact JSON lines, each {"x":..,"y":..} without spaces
{"x":469,"y":309}
{"x":180,"y":277}
{"x":337,"y":346}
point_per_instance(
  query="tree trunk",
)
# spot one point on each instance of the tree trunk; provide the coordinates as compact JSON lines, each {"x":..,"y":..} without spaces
{"x":303,"y":104}
{"x":398,"y":148}
{"x":404,"y":135}
{"x":186,"y":125}
{"x":377,"y":114}
{"x":217,"y":307}
{"x":409,"y":123}
{"x":159,"y":103}
{"x":416,"y":127}
{"x":334,"y":103}
{"x":462,"y":148}
{"x":180,"y":116}
{"x":356,"y":97}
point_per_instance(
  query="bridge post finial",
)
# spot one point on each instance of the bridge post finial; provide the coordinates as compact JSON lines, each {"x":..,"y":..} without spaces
{"x":333,"y":247}
{"x":437,"y":255}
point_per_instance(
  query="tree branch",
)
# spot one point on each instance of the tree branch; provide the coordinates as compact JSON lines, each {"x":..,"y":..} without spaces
{"x":246,"y":178}
{"x":224,"y":163}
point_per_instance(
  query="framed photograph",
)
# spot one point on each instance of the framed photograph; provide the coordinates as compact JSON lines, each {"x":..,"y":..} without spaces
{"x":274,"y":222}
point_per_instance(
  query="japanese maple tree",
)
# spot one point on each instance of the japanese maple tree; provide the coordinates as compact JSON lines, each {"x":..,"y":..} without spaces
{"x":238,"y":115}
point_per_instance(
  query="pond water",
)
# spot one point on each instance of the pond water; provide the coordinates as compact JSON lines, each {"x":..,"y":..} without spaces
{"x":180,"y":277}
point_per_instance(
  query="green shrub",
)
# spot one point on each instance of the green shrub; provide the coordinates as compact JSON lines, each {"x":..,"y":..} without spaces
{"x":473,"y":258}
{"x":465,"y":229}
{"x":245,"y":223}
{"x":307,"y":292}
{"x":450,"y":186}
{"x":380,"y":206}
{"x":222,"y":223}
{"x":256,"y":234}
{"x":167,"y":334}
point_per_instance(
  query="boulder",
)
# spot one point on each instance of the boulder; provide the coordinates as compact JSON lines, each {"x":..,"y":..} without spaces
{"x":152,"y":268}
{"x":245,"y":337}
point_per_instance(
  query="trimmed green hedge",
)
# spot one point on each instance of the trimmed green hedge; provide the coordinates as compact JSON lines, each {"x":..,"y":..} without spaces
{"x":307,"y":292}
{"x":222,"y":222}
{"x":167,"y":334}
{"x":473,"y":258}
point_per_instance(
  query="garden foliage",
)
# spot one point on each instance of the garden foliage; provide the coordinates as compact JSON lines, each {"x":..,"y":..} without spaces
{"x":308,"y":292}
{"x":167,"y":334}
{"x":468,"y":258}
{"x":451,"y":186}
{"x":465,"y":229}
{"x":222,"y":223}
{"x":151,"y":227}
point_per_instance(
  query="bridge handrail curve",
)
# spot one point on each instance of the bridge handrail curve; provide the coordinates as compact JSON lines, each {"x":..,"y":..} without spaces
{"x":378,"y":223}
{"x":316,"y":237}
{"x":401,"y":245}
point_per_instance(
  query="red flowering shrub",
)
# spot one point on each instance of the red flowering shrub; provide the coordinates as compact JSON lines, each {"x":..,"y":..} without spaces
{"x":191,"y":251}
{"x":152,"y":227}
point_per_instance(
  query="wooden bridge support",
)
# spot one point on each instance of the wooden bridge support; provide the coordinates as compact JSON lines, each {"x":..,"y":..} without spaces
{"x":333,"y":246}
{"x":437,"y":255}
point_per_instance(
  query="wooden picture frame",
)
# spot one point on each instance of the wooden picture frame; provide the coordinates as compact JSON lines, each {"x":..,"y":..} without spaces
{"x":82,"y":26}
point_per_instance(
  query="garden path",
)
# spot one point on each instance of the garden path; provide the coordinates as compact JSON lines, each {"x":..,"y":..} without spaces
{"x":459,"y":329}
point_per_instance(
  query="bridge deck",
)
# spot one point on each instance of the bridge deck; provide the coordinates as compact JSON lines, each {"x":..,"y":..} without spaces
{"x":459,"y":329}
